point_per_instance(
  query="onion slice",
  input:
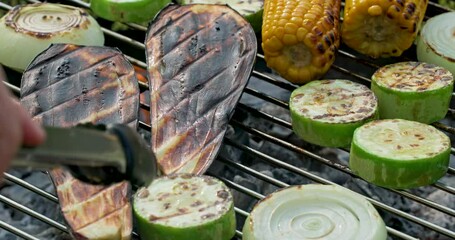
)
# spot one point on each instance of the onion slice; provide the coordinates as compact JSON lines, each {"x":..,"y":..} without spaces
{"x":28,"y":30}
{"x":314,"y":212}
{"x":437,"y":41}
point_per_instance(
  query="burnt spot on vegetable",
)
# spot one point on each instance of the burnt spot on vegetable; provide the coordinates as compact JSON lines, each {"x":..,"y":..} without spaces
{"x":182,"y":210}
{"x":196,"y":204}
{"x":163,"y":196}
{"x":143,"y":193}
{"x":208,"y":216}
{"x":223,"y":194}
{"x":167,"y":205}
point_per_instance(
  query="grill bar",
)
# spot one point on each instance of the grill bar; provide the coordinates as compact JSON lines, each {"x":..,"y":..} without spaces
{"x":324,"y":181}
{"x":30,"y":187}
{"x":265,"y":77}
{"x":33,"y":213}
{"x":17,"y":231}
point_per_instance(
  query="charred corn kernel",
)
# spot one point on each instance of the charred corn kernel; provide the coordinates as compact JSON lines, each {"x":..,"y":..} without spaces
{"x":300,"y":38}
{"x":382,"y":28}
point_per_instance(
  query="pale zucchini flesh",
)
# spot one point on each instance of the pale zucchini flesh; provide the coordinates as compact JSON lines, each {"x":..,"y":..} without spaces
{"x":326,"y":112}
{"x":185,"y":206}
{"x":398,"y":153}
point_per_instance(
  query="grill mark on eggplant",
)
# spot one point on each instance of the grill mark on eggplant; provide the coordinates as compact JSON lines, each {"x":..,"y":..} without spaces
{"x":56,"y":105}
{"x":196,"y":77}
{"x":113,"y":94}
{"x":208,"y":111}
{"x":59,"y":81}
{"x":165,"y":85}
{"x":197,"y":31}
{"x":162,"y":27}
{"x":60,"y":56}
{"x":194,"y":92}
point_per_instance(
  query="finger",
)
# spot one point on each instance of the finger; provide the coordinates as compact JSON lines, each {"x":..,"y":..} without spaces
{"x":2,"y":74}
{"x":32,"y":133}
{"x":10,"y":136}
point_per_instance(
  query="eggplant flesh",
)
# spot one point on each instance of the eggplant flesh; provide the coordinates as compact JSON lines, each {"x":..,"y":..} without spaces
{"x":68,"y":85}
{"x":199,"y":60}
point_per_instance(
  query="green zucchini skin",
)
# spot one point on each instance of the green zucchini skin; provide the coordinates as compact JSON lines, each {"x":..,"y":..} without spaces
{"x":420,"y":172}
{"x":326,"y":134}
{"x":222,"y":228}
{"x":326,"y":112}
{"x":185,"y":206}
{"x":135,"y":11}
{"x":393,"y":172}
{"x":250,"y":10}
{"x":425,"y":107}
{"x":412,"y":96}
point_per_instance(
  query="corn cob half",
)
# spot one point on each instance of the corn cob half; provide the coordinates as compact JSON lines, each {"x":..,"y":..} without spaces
{"x":300,"y":37}
{"x":382,"y":28}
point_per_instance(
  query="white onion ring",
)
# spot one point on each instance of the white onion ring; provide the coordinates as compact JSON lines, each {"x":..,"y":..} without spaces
{"x":437,"y":40}
{"x":29,"y":29}
{"x":51,"y":20}
{"x":314,"y":212}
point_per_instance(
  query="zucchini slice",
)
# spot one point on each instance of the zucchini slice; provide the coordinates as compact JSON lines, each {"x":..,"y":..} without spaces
{"x":413,"y":91}
{"x":314,"y":211}
{"x":399,"y":153}
{"x":250,"y":10}
{"x":136,"y":11}
{"x":185,"y":206}
{"x":326,"y":112}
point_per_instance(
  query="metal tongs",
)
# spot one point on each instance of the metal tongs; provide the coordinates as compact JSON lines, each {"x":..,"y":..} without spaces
{"x":101,"y":154}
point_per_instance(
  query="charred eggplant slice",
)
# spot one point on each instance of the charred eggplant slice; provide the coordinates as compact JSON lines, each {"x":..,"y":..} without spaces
{"x":199,"y":60}
{"x":67,"y":85}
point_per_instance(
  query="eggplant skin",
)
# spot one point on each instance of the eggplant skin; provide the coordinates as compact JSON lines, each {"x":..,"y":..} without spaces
{"x":68,"y":85}
{"x":199,"y":61}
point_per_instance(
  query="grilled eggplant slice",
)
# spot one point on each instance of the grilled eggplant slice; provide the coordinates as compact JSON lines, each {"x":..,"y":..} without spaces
{"x":67,"y":85}
{"x":199,"y":60}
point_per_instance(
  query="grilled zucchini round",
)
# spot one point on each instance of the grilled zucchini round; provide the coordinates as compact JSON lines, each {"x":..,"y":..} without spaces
{"x":184,"y":207}
{"x":326,"y":112}
{"x":398,"y":153}
{"x":413,"y":91}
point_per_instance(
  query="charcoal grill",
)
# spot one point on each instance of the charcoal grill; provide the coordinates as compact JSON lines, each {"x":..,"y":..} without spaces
{"x":348,"y":65}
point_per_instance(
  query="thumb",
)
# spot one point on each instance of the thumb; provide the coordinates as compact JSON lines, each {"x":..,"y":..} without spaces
{"x":32,"y":133}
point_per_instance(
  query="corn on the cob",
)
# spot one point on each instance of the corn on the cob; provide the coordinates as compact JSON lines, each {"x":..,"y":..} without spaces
{"x":300,"y":37}
{"x":382,"y":28}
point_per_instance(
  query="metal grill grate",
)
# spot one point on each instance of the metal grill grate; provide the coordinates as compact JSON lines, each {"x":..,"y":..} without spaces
{"x":348,"y":65}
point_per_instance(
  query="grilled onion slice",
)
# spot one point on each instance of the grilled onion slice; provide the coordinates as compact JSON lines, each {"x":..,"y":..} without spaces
{"x":326,"y":112}
{"x":437,"y":41}
{"x":314,"y":212}
{"x":185,"y":206}
{"x":413,"y":91}
{"x":398,"y":153}
{"x":29,"y":29}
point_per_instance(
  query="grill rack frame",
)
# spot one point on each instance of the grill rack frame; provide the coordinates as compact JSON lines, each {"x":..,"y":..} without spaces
{"x":269,"y":78}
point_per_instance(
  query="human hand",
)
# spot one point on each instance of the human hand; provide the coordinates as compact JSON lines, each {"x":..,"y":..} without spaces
{"x":16,"y":126}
